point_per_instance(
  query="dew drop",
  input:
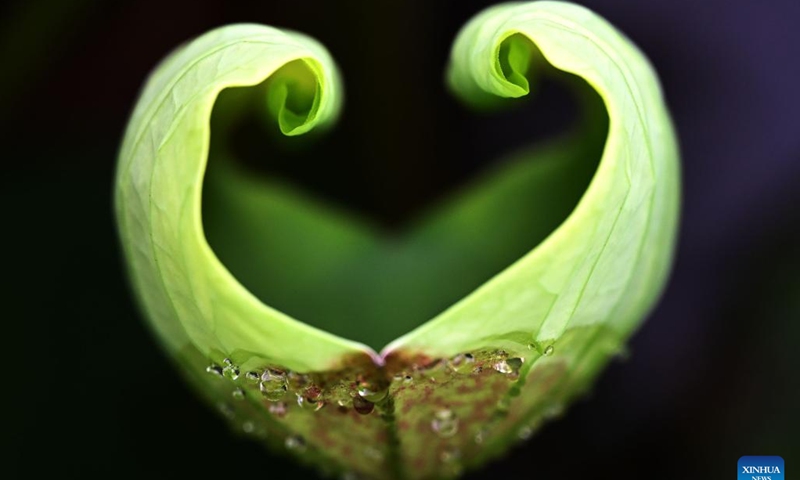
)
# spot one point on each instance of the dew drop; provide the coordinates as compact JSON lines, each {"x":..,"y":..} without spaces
{"x":278,"y":409}
{"x":238,"y":394}
{"x":310,"y":401}
{"x":226,"y":410}
{"x":372,"y":394}
{"x":512,"y":365}
{"x":362,"y":406}
{"x":248,"y":427}
{"x":525,"y":433}
{"x":549,"y":350}
{"x":252,"y":377}
{"x":554,"y":411}
{"x":273,"y":393}
{"x":445,"y":423}
{"x":460,"y":361}
{"x":273,"y":385}
{"x":408,"y":379}
{"x":515,"y":363}
{"x":273,"y":375}
{"x":214,"y":369}
{"x":531,"y":346}
{"x":503,"y":367}
{"x":230,"y":370}
{"x":296,"y":443}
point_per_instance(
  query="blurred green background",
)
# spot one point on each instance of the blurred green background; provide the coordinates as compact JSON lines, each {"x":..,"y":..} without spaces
{"x":713,"y":372}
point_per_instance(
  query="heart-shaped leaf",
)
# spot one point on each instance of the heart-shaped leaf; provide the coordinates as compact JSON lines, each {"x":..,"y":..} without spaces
{"x":533,"y":278}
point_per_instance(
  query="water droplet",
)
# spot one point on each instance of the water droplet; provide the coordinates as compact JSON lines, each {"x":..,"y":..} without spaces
{"x":231,"y":370}
{"x":515,"y":363}
{"x":408,"y":379}
{"x":304,"y":402}
{"x":372,"y":394}
{"x":252,"y":377}
{"x":445,"y":423}
{"x":273,"y":375}
{"x":531,"y":346}
{"x":296,"y":443}
{"x":502,"y":367}
{"x":273,"y":385}
{"x":248,"y":427}
{"x":238,"y":394}
{"x":214,"y":369}
{"x":460,"y":361}
{"x":362,"y":406}
{"x":512,"y":365}
{"x":554,"y":411}
{"x":226,"y":410}
{"x":271,"y":392}
{"x":549,"y":350}
{"x":525,"y":433}
{"x":278,"y":409}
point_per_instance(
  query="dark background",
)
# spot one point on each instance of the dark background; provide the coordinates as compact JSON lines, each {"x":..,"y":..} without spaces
{"x":713,"y":374}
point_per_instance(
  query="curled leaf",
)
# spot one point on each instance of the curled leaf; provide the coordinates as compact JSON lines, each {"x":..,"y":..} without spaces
{"x":510,"y":298}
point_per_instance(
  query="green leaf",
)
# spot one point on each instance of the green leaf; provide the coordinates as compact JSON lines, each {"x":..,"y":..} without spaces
{"x":507,"y":299}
